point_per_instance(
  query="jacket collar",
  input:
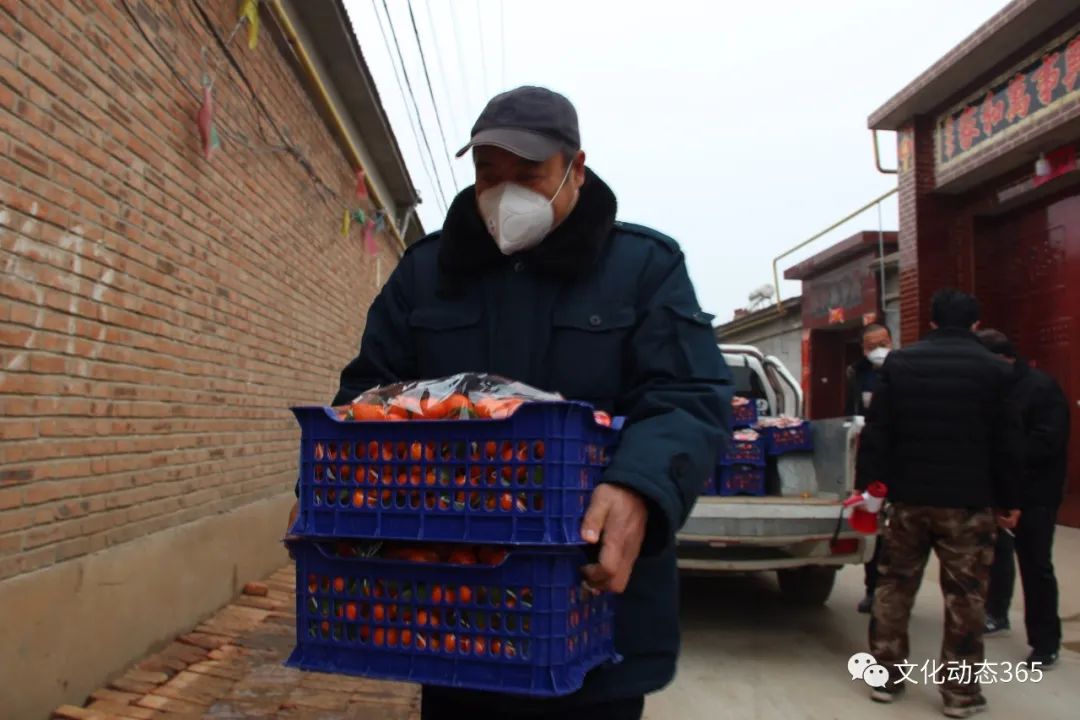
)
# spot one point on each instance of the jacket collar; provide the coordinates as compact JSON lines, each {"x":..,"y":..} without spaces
{"x":571,"y":249}
{"x":952,"y":333}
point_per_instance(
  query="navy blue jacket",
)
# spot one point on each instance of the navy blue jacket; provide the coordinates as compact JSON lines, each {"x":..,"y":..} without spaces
{"x":600,"y":311}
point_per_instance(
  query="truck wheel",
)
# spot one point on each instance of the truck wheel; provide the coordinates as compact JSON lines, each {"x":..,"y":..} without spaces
{"x":807,"y":586}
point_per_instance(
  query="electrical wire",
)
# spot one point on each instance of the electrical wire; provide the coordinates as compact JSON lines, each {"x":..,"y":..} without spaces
{"x":416,"y":106}
{"x":223,"y":44}
{"x":320,"y":184}
{"x":460,"y":56}
{"x":483,"y":49}
{"x":322,"y":188}
{"x":502,"y":43}
{"x":431,"y":93}
{"x":233,"y":136}
{"x":442,"y":72}
{"x":439,"y":200}
{"x":153,"y":46}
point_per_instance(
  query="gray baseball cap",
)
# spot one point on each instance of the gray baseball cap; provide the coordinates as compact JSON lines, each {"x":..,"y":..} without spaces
{"x":532,"y":122}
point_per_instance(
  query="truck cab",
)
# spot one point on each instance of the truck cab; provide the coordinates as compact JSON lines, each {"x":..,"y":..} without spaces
{"x":791,"y":529}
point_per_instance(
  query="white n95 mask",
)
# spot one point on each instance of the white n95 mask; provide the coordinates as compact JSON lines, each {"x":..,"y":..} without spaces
{"x":877,"y":356}
{"x":518,"y":218}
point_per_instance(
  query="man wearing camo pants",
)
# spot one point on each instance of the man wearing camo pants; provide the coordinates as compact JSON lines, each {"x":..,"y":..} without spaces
{"x":942,"y":436}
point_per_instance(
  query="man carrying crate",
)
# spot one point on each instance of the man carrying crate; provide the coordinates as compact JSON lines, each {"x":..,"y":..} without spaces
{"x":532,"y":278}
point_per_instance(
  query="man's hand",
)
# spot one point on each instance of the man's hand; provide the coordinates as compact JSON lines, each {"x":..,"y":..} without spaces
{"x":616,"y":519}
{"x":1007,"y":519}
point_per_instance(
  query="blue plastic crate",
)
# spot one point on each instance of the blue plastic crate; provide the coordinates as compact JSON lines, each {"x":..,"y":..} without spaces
{"x":523,"y":627}
{"x":710,"y":484}
{"x":744,"y":415}
{"x":522,"y":480}
{"x":788,"y":440}
{"x":744,"y":452}
{"x":741,"y":480}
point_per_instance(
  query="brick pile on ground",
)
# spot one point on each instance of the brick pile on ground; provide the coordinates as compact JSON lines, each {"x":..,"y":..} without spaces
{"x":230,"y":668}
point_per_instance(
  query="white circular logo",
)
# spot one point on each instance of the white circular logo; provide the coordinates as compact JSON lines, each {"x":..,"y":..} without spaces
{"x":876,"y":676}
{"x":857,"y":664}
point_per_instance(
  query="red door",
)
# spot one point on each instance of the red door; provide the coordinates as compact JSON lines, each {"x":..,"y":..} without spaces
{"x":1027,"y":261}
{"x":831,"y":352}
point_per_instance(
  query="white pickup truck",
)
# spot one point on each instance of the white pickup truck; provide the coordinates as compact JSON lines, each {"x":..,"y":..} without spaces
{"x":790,"y":529}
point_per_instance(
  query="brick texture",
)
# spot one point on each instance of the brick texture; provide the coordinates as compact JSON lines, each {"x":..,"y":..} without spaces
{"x":936,"y":237}
{"x":243,"y":677}
{"x":159,"y":313}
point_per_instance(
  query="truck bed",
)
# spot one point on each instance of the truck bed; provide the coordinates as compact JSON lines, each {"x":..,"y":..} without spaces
{"x":819,"y":499}
{"x":772,"y":520}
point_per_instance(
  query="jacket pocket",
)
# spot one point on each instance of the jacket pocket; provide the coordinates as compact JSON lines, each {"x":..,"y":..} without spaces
{"x":449,"y":340}
{"x":588,"y":344}
{"x":700,"y":357}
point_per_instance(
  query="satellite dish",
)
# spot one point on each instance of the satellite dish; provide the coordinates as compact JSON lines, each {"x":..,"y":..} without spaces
{"x":762,"y":293}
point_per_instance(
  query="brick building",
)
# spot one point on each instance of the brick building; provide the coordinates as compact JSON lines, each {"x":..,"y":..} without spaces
{"x":774,"y":330}
{"x":844,"y":288}
{"x":990,"y":192}
{"x":160,"y":312}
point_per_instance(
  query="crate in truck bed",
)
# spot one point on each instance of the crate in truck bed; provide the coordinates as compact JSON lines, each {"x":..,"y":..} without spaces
{"x":781,"y":440}
{"x":740,"y":480}
{"x":522,"y":480}
{"x":744,"y":452}
{"x":524,"y":626}
{"x":744,"y":415}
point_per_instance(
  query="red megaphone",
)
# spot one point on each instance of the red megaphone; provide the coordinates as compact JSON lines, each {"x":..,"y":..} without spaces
{"x":865,"y":507}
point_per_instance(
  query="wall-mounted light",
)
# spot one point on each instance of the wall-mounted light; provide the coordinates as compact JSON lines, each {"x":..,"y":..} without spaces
{"x":1042,"y":166}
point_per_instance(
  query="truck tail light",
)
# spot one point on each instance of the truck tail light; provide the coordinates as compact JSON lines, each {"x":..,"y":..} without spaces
{"x":847,"y":546}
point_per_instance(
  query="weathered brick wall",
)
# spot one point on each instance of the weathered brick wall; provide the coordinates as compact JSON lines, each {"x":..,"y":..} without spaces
{"x":935,"y":237}
{"x":913,"y":182}
{"x":158,"y":313}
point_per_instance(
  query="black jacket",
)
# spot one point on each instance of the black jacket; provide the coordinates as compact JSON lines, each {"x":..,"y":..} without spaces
{"x":1044,"y":413}
{"x":940,"y":430}
{"x":600,"y":311}
{"x":862,"y":376}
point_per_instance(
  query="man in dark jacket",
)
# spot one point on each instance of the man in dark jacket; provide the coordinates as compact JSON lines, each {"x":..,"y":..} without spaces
{"x":863,"y":377}
{"x":532,"y":278}
{"x":1044,"y":414}
{"x":941,"y":436}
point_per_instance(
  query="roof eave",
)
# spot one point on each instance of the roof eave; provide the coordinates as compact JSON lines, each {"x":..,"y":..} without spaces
{"x":339,"y":53}
{"x":1000,"y":37}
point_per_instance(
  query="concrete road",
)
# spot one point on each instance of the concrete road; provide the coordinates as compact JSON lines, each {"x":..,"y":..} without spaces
{"x":748,"y":656}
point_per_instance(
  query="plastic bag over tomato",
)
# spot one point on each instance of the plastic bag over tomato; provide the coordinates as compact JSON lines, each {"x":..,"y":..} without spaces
{"x":458,"y":397}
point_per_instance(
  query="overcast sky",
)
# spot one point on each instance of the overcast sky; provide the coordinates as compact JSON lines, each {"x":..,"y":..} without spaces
{"x":738,"y":128}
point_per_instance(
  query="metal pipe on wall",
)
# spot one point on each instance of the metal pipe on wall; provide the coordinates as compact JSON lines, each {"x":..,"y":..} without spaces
{"x":816,"y":236}
{"x":881,"y":258}
{"x":877,"y":157}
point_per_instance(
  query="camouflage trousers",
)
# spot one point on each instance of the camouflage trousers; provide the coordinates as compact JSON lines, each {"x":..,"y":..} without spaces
{"x":964,"y":542}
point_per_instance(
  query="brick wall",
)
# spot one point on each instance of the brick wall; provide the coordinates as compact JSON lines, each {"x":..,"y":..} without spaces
{"x":910,"y":187}
{"x":935,"y":237}
{"x":159,"y":312}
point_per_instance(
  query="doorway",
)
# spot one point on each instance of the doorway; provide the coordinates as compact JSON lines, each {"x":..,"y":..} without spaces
{"x":1029,"y":283}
